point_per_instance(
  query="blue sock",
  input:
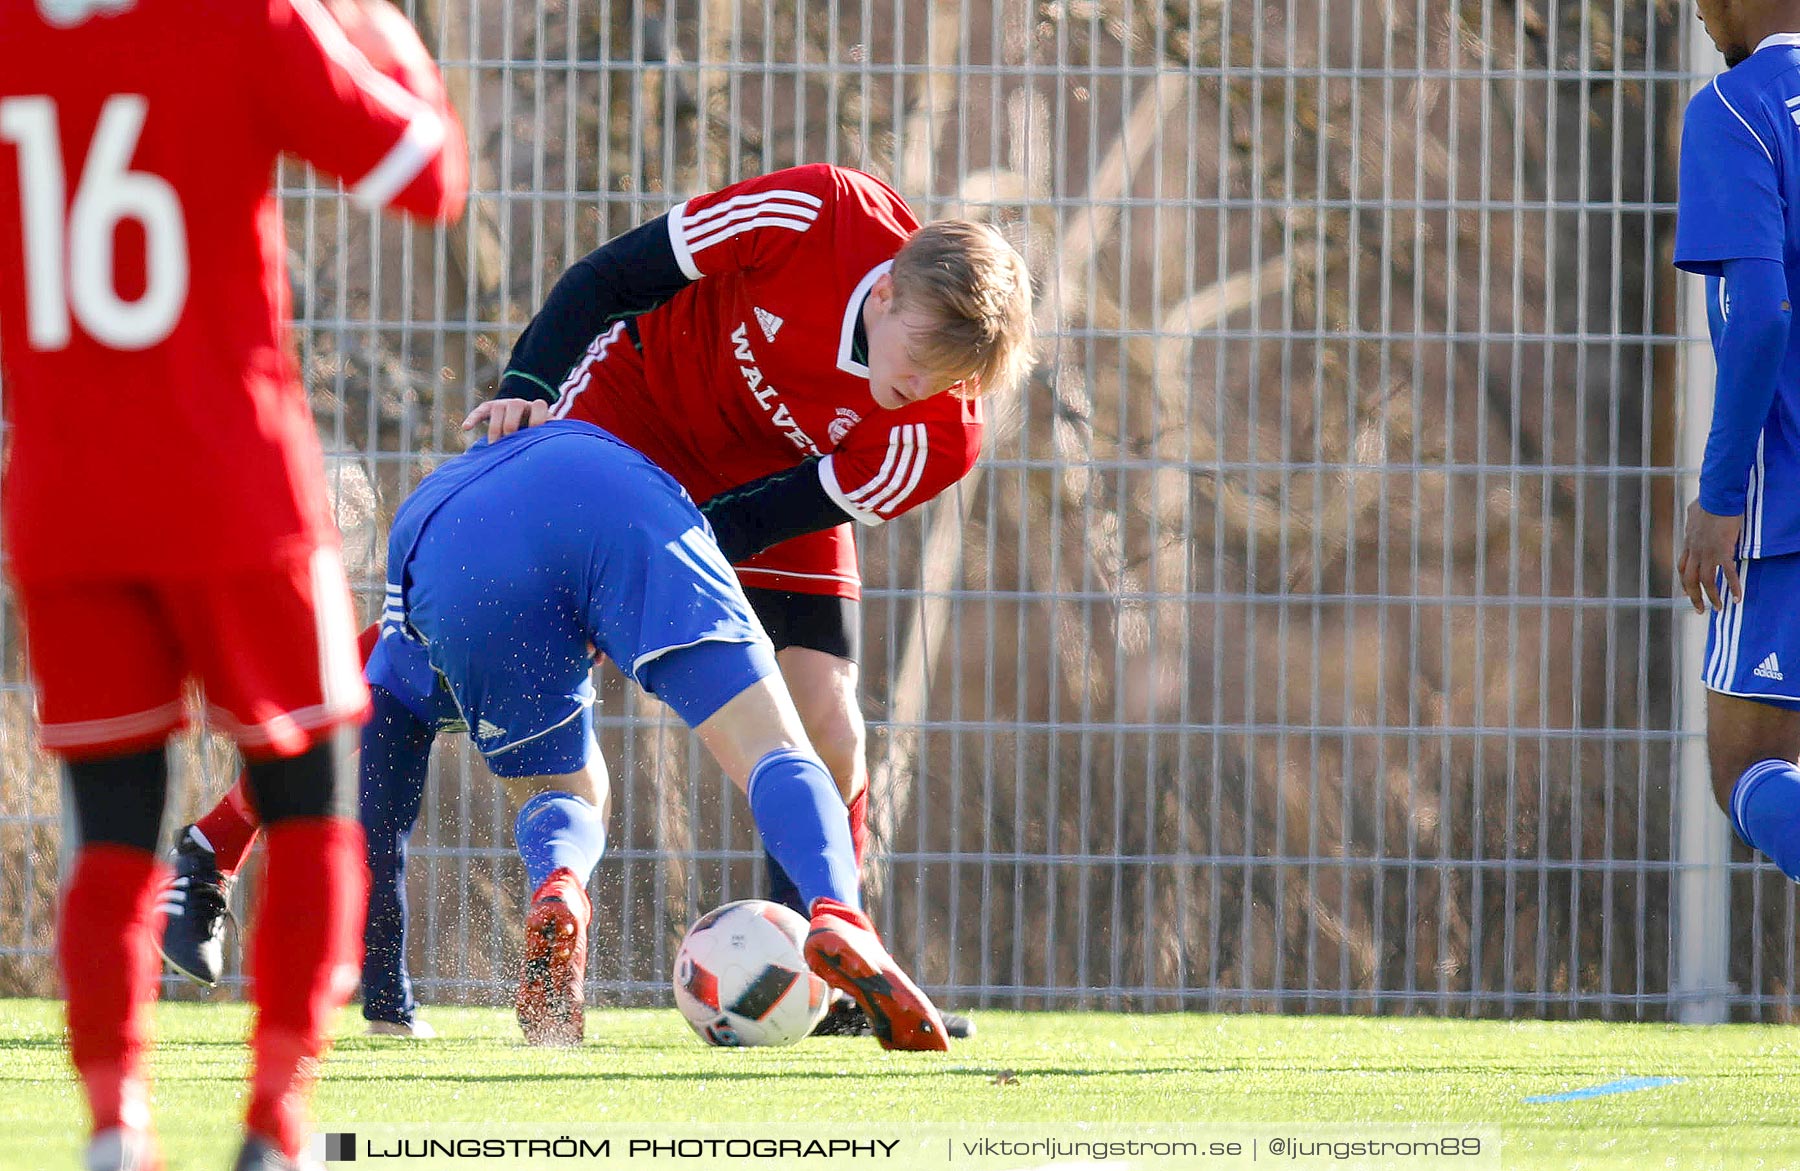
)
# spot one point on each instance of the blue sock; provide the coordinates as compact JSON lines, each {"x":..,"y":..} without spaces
{"x":396,"y":755}
{"x":781,"y":888}
{"x":804,"y":825}
{"x":1765,"y":811}
{"x":555,"y":830}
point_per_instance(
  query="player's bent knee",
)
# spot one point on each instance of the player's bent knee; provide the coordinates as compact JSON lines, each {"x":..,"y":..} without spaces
{"x":840,"y":739}
{"x":590,"y":784}
{"x":755,"y":722}
{"x":1721,"y":788}
{"x":701,"y":680}
{"x":824,"y":688}
{"x":567,"y":762}
{"x":1740,"y":732}
{"x":1726,"y":768}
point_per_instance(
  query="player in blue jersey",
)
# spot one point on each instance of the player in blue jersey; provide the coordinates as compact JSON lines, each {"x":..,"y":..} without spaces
{"x":1739,"y":227}
{"x":509,"y":568}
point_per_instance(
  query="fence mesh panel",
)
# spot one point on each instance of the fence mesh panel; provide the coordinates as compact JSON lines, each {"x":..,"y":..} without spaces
{"x":1304,"y":639}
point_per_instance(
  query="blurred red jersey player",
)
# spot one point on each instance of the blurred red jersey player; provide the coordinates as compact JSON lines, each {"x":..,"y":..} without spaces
{"x":164,"y":498}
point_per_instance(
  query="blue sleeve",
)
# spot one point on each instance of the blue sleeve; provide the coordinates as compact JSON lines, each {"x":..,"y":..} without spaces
{"x":1730,"y":206}
{"x":1750,"y":351}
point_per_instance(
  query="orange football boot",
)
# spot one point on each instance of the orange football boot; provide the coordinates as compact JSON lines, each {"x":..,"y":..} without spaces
{"x":551,"y":979}
{"x":845,"y":951}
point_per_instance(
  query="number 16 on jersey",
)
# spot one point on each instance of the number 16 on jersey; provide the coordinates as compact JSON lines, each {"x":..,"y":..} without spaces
{"x":69,"y":260}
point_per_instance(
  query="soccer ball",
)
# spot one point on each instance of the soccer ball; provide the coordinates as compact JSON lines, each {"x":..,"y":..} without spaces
{"x":740,"y":977}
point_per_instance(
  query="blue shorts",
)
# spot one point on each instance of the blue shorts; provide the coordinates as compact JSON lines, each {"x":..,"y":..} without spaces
{"x":1753,"y":647}
{"x":514,"y":563}
{"x":403,"y":667}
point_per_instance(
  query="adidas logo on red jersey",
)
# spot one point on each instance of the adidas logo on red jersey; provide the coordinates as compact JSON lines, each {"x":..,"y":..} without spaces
{"x":769,"y":322}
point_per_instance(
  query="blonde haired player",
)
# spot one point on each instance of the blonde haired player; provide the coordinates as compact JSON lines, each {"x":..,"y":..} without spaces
{"x":802,"y":356}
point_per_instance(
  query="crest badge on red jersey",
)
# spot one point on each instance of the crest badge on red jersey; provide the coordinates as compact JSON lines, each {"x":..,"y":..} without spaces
{"x":841,"y":424}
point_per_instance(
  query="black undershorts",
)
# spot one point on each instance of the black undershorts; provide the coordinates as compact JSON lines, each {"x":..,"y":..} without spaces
{"x":817,"y":622}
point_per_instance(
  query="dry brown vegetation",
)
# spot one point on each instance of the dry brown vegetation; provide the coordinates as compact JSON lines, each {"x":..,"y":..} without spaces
{"x":1304,"y":642}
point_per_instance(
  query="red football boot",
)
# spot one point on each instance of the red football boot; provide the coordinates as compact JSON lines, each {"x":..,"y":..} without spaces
{"x":550,"y":997}
{"x":845,"y":951}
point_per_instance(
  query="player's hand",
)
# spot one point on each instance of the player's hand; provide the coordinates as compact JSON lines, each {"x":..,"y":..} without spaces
{"x":503,"y":416}
{"x":1708,"y":549}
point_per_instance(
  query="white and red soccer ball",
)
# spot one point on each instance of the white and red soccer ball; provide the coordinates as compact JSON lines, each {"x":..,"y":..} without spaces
{"x":741,"y":978}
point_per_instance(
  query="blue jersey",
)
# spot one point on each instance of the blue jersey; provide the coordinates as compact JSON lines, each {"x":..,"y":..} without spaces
{"x":1740,"y":200}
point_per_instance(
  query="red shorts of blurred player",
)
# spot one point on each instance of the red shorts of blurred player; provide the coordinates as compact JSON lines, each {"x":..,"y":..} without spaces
{"x":273,"y":650}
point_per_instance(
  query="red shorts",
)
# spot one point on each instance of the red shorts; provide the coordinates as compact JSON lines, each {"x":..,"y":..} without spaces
{"x":273,"y":650}
{"x":818,"y":563}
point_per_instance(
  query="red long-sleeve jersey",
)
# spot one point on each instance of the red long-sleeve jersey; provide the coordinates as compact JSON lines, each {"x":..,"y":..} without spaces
{"x":755,"y":364}
{"x":157,"y":425}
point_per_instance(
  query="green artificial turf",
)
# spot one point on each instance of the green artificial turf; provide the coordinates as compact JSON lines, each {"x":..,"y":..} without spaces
{"x":1248,"y":1078}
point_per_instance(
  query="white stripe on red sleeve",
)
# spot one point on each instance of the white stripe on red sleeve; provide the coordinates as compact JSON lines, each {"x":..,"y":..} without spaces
{"x":887,"y":467}
{"x":828,"y":478}
{"x":582,"y":376}
{"x":700,"y":243}
{"x":896,"y":495}
{"x":700,"y":218}
{"x":424,"y":135}
{"x":791,"y":210}
{"x":890,"y":487}
{"x":684,"y":256}
{"x":712,"y":218}
{"x":893,"y":470}
{"x":422,"y":142}
{"x":350,"y":59}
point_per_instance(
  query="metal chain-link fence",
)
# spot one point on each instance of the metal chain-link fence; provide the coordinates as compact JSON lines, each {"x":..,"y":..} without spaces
{"x":1304,"y":640}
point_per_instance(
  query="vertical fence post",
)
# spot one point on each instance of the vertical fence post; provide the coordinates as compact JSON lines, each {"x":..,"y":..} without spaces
{"x":1702,"y":836}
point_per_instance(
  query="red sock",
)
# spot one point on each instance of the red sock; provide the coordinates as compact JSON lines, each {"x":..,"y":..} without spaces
{"x":365,"y":642}
{"x":304,"y":962}
{"x":106,"y":949}
{"x":230,"y":827}
{"x":859,"y":824}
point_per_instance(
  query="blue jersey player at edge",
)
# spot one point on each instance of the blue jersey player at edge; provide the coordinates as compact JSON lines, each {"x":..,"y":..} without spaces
{"x":1738,"y":226}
